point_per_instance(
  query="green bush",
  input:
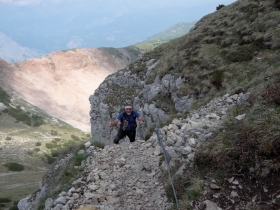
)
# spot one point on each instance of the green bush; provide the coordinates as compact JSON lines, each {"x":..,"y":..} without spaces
{"x":38,"y":144}
{"x":54,"y":133}
{"x":76,"y":138}
{"x":8,"y":138}
{"x":98,"y":144}
{"x":217,"y":79}
{"x":4,"y":97}
{"x":37,"y":120}
{"x":55,"y":153}
{"x":50,"y":160}
{"x":14,"y":166}
{"x":220,"y":6}
{"x":50,"y":146}
{"x":36,"y":149}
{"x":5,"y":200}
{"x":20,"y":115}
{"x":78,"y":158}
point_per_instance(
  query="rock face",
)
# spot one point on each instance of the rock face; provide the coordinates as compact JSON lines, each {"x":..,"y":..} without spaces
{"x":61,"y":82}
{"x":126,"y":86}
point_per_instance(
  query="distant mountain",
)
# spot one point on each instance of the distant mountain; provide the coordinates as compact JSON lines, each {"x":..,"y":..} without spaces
{"x":61,"y":82}
{"x":163,"y":37}
{"x":173,"y":32}
{"x":11,"y":51}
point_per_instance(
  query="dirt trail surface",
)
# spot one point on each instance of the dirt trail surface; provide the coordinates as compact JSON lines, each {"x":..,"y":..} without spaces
{"x":61,"y":83}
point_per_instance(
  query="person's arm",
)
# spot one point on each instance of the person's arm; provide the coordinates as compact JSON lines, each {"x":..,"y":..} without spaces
{"x":141,"y":120}
{"x":113,"y":123}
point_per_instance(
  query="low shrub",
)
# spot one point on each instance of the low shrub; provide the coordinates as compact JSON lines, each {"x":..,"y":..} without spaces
{"x":4,"y":97}
{"x":14,"y":166}
{"x":8,"y":138}
{"x":74,"y":137}
{"x":50,"y":160}
{"x":5,"y":200}
{"x":98,"y":144}
{"x":220,"y":6}
{"x":36,"y":149}
{"x":38,"y":144}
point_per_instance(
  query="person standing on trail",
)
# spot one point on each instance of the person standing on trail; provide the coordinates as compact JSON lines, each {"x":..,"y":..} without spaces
{"x":128,"y":124}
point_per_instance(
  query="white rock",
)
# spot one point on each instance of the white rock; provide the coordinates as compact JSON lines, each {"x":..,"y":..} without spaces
{"x":60,"y":200}
{"x":93,"y":187}
{"x":192,"y":142}
{"x":233,"y":194}
{"x":81,"y":152}
{"x":211,"y":206}
{"x":186,"y":150}
{"x":240,"y":117}
{"x":2,"y":106}
{"x":158,"y":150}
{"x":87,"y":144}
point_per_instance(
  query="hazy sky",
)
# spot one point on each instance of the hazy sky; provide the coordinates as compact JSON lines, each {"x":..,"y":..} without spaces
{"x":55,"y":24}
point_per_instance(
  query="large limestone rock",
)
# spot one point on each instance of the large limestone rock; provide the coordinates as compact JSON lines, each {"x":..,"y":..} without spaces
{"x":126,"y":86}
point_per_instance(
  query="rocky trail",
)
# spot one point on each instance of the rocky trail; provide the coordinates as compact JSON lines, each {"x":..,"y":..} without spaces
{"x":126,"y":176}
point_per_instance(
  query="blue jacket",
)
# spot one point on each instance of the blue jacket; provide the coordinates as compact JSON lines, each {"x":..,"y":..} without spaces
{"x":131,"y":119}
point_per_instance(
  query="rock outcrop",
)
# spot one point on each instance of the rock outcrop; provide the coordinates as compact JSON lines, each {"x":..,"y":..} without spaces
{"x":126,"y":86}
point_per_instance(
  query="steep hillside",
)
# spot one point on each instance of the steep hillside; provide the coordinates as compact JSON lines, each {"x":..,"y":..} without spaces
{"x":30,"y":140}
{"x":60,"y":83}
{"x":230,"y":51}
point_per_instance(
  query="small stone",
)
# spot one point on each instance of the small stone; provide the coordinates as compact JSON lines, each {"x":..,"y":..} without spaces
{"x":186,"y":150}
{"x":240,"y":117}
{"x":60,"y":200}
{"x":236,"y":182}
{"x":214,"y":186}
{"x":211,"y":206}
{"x":93,"y":187}
{"x":87,"y":144}
{"x":192,"y":142}
{"x":233,"y":194}
{"x":81,"y":152}
{"x":113,"y":201}
{"x":230,"y":180}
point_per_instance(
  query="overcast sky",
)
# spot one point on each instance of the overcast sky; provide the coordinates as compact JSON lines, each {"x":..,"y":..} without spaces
{"x":50,"y":25}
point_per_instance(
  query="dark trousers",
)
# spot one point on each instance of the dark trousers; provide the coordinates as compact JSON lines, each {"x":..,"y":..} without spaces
{"x":121,"y":134}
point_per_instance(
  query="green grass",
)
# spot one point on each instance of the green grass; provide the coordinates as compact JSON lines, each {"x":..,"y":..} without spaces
{"x":14,"y":166}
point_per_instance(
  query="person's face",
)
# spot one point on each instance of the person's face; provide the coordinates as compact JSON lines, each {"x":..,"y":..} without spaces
{"x":128,"y":110}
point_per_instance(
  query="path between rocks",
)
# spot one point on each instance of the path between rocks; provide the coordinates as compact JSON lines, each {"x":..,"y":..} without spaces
{"x":125,"y":176}
{"x":121,"y":177}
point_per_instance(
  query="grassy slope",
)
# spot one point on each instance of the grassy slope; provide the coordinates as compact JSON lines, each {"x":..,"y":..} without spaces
{"x":27,"y":145}
{"x":230,"y":50}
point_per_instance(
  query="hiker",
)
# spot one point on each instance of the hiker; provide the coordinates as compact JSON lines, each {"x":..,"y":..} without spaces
{"x":128,"y":124}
